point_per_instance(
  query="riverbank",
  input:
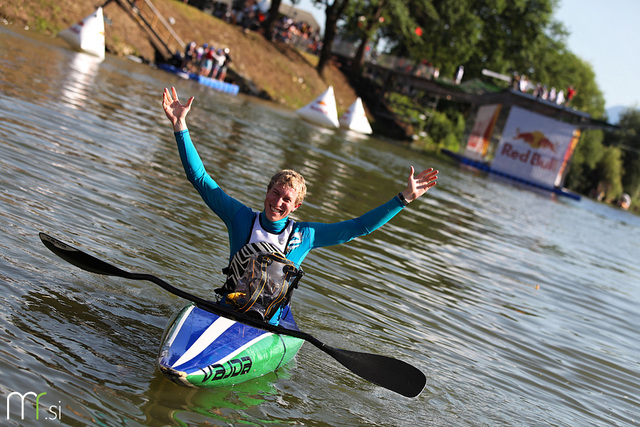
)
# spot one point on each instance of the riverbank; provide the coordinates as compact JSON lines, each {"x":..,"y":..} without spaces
{"x":278,"y":71}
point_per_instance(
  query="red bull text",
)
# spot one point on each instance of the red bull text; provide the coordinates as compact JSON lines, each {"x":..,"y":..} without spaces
{"x":535,"y":159}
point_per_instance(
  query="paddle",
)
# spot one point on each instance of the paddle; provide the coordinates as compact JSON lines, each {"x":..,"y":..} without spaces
{"x":384,"y":371}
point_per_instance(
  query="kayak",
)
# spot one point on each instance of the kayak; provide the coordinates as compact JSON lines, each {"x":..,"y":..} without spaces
{"x":202,"y":349}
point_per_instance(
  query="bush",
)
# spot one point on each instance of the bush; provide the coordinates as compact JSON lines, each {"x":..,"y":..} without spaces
{"x":433,"y":130}
{"x":446,"y":130}
{"x":609,"y":171}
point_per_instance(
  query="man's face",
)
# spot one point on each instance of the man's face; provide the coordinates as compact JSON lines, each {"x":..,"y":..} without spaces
{"x":280,"y":202}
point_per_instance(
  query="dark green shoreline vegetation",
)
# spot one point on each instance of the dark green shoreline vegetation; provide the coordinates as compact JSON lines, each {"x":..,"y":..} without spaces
{"x":606,"y":162}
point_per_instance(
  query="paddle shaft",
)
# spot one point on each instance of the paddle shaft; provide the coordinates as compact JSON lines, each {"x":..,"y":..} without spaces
{"x":384,"y":371}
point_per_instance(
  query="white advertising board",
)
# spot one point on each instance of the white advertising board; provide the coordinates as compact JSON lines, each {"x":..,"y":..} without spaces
{"x":533,"y":147}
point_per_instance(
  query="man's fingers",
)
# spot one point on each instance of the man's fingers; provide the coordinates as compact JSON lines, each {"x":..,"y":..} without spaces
{"x":411,"y":172}
{"x":428,"y":174}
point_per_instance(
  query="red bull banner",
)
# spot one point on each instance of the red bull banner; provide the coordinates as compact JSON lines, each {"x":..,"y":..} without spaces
{"x":478,"y":140}
{"x":533,"y":147}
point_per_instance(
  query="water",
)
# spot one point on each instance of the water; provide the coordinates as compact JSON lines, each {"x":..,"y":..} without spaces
{"x":521,"y":309}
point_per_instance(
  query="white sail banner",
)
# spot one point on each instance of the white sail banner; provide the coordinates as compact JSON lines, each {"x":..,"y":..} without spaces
{"x":322,"y":110}
{"x":87,"y":35}
{"x":355,"y":118}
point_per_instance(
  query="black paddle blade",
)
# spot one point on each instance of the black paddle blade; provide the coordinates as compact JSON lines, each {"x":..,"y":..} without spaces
{"x":384,"y":371}
{"x":80,"y":259}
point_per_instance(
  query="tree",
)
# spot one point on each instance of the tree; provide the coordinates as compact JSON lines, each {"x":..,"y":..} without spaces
{"x":578,"y":73}
{"x":447,"y":36}
{"x":609,"y":173}
{"x":627,"y":139}
{"x":333,"y":11}
{"x":274,"y":13}
{"x":504,"y":36}
{"x":366,"y":19}
{"x":511,"y":37}
{"x":581,"y":175}
{"x":365,"y":24}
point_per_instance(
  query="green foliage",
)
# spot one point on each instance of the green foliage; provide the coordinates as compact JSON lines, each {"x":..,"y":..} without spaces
{"x":513,"y":36}
{"x":365,"y":18}
{"x":608,"y":163}
{"x":434,"y":130}
{"x":446,"y":130}
{"x":608,"y":173}
{"x":404,"y":106}
{"x":591,"y":148}
{"x":578,"y":73}
{"x":581,"y":175}
{"x":627,"y":138}
{"x":46,"y":17}
{"x":596,"y":168}
{"x":42,"y":25}
{"x":450,"y":31}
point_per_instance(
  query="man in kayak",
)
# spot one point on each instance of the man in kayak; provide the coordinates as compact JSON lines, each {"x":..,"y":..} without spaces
{"x":254,"y":237}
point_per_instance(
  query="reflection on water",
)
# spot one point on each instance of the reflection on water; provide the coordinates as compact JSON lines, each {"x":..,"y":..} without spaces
{"x":520,"y":308}
{"x":82,"y":71}
{"x":170,"y":403}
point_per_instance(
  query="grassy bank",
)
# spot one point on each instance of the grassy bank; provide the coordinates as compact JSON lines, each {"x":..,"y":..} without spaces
{"x":286,"y":75}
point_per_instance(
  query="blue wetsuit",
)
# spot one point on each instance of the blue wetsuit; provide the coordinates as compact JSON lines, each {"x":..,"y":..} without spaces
{"x":239,"y":218}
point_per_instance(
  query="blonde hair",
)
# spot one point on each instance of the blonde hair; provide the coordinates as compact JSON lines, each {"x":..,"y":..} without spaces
{"x":292,"y":179}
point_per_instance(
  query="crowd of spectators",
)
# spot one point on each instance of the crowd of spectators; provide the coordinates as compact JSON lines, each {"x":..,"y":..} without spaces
{"x":286,"y":29}
{"x":523,"y":84}
{"x":206,"y":60}
{"x":209,"y":61}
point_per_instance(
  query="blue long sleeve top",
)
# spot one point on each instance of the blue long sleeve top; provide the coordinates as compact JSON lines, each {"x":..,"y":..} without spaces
{"x":239,"y":218}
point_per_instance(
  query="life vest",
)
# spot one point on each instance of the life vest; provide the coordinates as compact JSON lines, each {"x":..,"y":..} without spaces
{"x":260,"y":278}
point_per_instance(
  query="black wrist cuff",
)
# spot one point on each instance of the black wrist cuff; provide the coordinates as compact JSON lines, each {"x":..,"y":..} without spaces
{"x":404,"y":201}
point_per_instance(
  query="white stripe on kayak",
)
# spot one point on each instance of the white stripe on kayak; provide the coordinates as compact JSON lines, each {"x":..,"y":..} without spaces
{"x":216,"y":329}
{"x":241,"y":349}
{"x":174,"y":334}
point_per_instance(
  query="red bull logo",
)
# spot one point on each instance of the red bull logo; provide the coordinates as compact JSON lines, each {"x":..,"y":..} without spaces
{"x":536,"y":139}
